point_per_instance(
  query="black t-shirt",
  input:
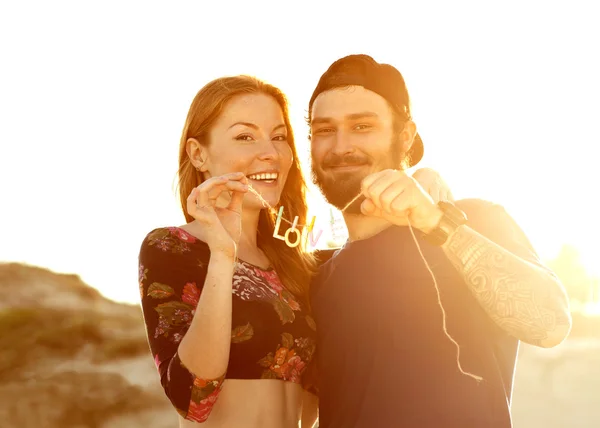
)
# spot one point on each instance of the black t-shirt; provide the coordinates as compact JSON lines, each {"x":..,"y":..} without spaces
{"x":383,"y":358}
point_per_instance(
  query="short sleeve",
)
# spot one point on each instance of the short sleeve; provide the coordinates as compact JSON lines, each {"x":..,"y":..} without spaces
{"x":172,"y":271}
{"x":493,"y":221}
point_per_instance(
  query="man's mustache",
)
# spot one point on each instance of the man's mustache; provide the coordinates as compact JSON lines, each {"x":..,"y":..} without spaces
{"x":336,"y":160}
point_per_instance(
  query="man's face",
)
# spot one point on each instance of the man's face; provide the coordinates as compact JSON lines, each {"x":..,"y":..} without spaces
{"x":352,"y":132}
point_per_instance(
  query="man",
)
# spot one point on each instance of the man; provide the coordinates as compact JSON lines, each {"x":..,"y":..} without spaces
{"x":384,"y":358}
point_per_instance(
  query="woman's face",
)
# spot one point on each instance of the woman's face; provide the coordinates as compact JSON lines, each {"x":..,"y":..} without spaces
{"x":250,"y":136}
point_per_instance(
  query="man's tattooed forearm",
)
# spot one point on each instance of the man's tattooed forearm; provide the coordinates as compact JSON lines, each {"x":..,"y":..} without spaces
{"x":523,"y":299}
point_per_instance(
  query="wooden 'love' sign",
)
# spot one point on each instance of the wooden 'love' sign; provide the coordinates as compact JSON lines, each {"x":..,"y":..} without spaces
{"x":299,"y":236}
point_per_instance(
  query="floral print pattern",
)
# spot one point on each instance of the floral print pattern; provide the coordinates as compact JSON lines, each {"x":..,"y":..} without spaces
{"x":142,"y":277}
{"x":171,"y":239}
{"x":272,"y":335}
{"x":204,"y":397}
{"x":289,"y":360}
{"x":251,"y":283}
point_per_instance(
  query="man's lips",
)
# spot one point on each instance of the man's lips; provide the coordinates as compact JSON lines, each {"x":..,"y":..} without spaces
{"x":345,"y":166}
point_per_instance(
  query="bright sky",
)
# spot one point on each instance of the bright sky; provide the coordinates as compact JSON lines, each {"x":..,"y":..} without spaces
{"x":93,"y":96}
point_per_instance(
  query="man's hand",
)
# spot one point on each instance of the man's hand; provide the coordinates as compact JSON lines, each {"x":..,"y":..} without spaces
{"x":398,"y":198}
{"x":433,"y":183}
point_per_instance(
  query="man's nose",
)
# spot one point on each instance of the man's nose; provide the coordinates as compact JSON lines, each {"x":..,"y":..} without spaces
{"x":342,"y":143}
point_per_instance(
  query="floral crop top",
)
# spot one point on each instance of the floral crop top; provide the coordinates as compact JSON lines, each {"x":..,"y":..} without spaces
{"x":272,"y":337}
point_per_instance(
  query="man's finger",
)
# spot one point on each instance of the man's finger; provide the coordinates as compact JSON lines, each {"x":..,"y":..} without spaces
{"x":368,"y":181}
{"x":382,"y":189}
{"x":368,"y":208}
{"x":377,"y":187}
{"x":404,"y":202}
{"x":389,"y":195}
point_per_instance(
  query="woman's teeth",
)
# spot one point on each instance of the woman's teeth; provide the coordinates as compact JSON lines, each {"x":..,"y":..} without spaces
{"x":266,"y":177}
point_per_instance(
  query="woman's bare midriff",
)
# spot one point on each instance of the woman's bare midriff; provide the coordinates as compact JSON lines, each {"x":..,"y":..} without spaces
{"x":260,"y":403}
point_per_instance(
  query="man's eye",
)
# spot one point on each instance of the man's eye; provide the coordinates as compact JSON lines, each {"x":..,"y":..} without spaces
{"x":324,"y":130}
{"x":362,"y":127}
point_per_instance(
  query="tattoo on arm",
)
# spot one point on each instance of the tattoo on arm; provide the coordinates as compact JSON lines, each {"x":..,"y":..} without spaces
{"x":525,"y":300}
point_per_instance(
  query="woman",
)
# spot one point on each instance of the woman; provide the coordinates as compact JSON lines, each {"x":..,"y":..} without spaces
{"x":225,"y":304}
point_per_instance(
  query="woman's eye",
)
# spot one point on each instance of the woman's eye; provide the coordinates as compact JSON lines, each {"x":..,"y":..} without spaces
{"x":280,"y":138}
{"x":244,"y":137}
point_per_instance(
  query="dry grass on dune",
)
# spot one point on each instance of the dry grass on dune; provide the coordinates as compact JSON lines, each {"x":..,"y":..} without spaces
{"x":71,"y":358}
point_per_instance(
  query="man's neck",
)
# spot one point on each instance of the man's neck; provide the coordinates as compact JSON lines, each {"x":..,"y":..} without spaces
{"x":363,"y":227}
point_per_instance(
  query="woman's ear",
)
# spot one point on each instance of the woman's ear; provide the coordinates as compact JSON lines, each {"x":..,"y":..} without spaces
{"x":198,"y":154}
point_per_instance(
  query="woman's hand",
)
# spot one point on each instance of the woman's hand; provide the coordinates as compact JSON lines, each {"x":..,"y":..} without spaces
{"x":433,"y":184}
{"x":221,"y":227}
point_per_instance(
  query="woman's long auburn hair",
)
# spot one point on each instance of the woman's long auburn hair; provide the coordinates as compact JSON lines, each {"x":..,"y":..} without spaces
{"x":295,"y":266}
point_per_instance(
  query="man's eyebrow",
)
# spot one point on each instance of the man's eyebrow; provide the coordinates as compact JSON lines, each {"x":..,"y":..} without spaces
{"x":317,"y":120}
{"x":362,"y":115}
{"x":353,"y":116}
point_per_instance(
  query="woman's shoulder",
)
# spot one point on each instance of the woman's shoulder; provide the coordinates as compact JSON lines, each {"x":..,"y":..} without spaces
{"x":171,"y":262}
{"x":172,"y":241}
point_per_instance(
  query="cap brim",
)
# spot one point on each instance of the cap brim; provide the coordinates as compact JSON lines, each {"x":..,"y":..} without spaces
{"x":416,"y":151}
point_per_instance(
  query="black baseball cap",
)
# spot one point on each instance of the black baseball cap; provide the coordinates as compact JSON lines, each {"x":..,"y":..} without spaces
{"x":383,"y":79}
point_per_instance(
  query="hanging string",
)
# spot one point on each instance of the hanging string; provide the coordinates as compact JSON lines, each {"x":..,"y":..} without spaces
{"x":271,"y":209}
{"x":435,"y":284}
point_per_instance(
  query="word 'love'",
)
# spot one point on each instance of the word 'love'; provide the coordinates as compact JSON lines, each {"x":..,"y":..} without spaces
{"x":305,"y":235}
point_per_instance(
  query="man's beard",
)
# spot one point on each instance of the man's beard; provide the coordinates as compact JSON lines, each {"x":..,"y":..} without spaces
{"x":344,"y":188}
{"x":341,"y":191}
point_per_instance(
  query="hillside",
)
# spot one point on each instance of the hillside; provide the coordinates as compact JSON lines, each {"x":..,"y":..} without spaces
{"x":70,"y":358}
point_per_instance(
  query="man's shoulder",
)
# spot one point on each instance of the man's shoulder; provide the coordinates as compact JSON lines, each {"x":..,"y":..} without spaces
{"x":485,"y":216}
{"x":324,"y":255}
{"x":476,"y":206}
{"x":324,"y":259}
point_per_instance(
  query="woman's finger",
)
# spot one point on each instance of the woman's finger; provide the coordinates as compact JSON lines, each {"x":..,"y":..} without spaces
{"x":206,"y":194}
{"x":238,"y":176}
{"x":226,"y":187}
{"x":212,"y":188}
{"x":193,"y":206}
{"x":236,"y":186}
{"x":236,"y":202}
{"x":200,"y":196}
